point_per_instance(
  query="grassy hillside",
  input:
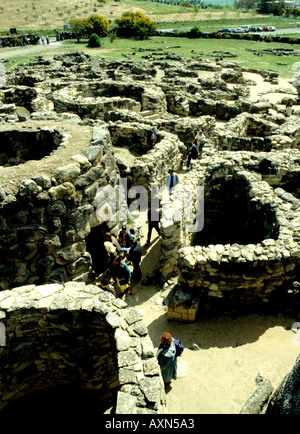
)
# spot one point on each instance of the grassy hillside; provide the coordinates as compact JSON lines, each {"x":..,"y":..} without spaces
{"x":42,"y":14}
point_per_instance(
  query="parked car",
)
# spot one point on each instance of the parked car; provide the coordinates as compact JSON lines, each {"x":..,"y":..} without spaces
{"x":238,"y":30}
{"x":259,"y":29}
{"x":246,"y":28}
{"x":272,"y":29}
{"x":225,"y":31}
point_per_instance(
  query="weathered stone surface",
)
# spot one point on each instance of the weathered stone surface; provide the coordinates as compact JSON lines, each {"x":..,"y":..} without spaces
{"x":37,"y":316}
{"x":68,"y":254}
{"x":286,"y":399}
{"x":256,"y":403}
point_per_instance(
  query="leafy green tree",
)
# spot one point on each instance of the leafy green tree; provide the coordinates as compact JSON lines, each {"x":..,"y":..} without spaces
{"x":195,"y":32}
{"x":245,"y":4}
{"x":272,"y":7}
{"x":133,"y":24}
{"x":77,"y":26}
{"x":295,"y":12}
{"x":94,"y":41}
{"x":96,"y":24}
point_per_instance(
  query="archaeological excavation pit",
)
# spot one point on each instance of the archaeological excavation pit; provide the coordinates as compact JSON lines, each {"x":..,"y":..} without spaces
{"x":75,"y":348}
{"x":65,"y":355}
{"x":247,"y":254}
{"x":232,"y":217}
{"x":19,"y":146}
{"x":96,"y":99}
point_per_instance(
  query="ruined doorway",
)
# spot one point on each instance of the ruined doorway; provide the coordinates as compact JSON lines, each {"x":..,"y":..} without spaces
{"x":95,"y":246}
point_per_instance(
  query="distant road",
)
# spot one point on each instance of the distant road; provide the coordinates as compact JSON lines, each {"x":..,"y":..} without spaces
{"x":277,"y":32}
{"x":7,"y":52}
{"x":281,"y":32}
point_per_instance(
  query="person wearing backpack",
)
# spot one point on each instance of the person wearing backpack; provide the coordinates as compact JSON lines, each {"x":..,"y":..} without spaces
{"x":168,"y":351}
{"x":192,"y":154}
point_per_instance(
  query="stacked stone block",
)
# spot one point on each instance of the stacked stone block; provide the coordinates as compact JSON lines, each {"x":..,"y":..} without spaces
{"x":78,"y":334}
{"x":45,"y":221}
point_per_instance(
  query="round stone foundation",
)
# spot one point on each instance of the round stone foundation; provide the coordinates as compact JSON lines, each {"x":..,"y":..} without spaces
{"x":76,"y":339}
{"x":19,"y":146}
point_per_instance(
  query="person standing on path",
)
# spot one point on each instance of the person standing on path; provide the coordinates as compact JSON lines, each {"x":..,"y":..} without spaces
{"x":134,"y":256}
{"x":121,"y":274}
{"x":153,"y":222}
{"x":200,"y":139}
{"x":167,"y":358}
{"x":192,"y":154}
{"x":172,"y":179}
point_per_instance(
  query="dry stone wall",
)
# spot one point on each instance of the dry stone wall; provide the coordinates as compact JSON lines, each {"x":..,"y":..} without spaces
{"x":210,"y":263}
{"x":252,"y":132}
{"x":77,"y":334}
{"x":46,"y":218}
{"x":93,"y":99}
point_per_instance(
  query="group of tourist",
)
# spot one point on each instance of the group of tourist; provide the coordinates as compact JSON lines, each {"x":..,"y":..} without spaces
{"x":125,"y":250}
{"x":36,"y":40}
{"x":122,"y":252}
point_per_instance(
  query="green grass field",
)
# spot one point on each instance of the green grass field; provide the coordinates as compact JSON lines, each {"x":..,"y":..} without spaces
{"x":51,"y":16}
{"x":286,"y":66}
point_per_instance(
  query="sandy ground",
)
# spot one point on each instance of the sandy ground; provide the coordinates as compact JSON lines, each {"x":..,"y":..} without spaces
{"x":220,"y":377}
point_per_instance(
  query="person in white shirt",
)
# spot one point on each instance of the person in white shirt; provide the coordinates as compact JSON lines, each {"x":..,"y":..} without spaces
{"x":172,"y":179}
{"x":200,"y":138}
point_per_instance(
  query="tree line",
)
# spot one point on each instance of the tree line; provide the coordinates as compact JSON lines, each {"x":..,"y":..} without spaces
{"x":275,"y":7}
{"x":131,"y":24}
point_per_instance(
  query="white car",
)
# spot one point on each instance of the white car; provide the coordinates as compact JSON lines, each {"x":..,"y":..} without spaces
{"x":238,"y":30}
{"x":271,"y":28}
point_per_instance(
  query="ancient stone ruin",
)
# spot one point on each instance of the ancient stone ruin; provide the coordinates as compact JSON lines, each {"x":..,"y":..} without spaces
{"x":72,"y":128}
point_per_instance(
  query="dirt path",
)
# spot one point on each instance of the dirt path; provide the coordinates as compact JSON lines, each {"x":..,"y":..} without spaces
{"x":6,"y":53}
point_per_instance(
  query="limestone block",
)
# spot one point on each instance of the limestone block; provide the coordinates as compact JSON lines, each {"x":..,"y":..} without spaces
{"x":68,"y":254}
{"x":67,"y":173}
{"x":59,"y":191}
{"x":28,"y":188}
